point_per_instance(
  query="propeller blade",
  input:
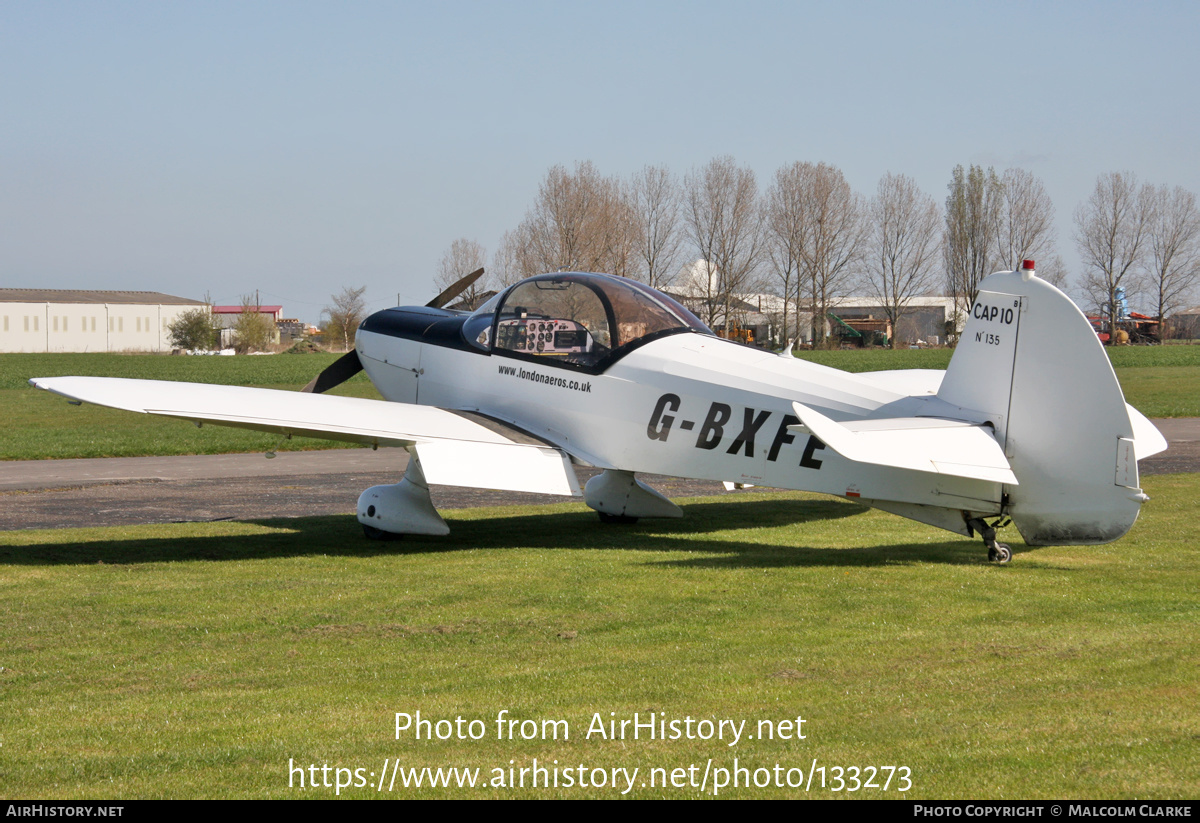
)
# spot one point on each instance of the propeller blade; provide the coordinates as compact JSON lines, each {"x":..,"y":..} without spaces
{"x":457,"y":288}
{"x":338,"y":372}
{"x":349,"y":365}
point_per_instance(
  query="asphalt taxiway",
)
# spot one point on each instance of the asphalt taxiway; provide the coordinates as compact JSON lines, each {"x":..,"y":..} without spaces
{"x":50,"y":494}
{"x":118,"y":491}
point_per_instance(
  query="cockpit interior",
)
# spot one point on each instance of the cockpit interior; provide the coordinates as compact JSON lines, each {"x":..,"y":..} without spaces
{"x":574,"y":319}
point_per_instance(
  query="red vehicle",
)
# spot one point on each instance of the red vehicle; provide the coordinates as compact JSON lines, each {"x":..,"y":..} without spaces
{"x":1135,"y":328}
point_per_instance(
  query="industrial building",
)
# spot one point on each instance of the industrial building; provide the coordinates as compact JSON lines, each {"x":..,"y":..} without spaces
{"x":852,"y":320}
{"x":925,"y":319}
{"x":85,"y":320}
{"x":225,"y":320}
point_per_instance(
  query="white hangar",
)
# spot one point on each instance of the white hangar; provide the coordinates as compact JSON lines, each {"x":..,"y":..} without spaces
{"x":85,"y":320}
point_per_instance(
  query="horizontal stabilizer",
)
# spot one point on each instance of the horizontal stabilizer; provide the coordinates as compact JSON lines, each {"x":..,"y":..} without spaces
{"x":1147,"y":439}
{"x":923,"y":444}
{"x":454,"y":450}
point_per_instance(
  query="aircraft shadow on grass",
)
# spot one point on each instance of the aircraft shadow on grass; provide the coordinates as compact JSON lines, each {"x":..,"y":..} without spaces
{"x":565,"y":531}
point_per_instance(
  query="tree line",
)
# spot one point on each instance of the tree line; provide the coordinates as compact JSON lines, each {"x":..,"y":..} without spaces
{"x":811,"y":239}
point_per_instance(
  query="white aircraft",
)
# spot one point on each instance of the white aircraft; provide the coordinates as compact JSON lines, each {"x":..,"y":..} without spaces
{"x":1027,"y":425}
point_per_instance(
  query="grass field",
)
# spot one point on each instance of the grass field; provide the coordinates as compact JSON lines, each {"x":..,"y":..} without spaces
{"x":199,"y":660}
{"x":224,"y":659}
{"x":1160,"y":381}
{"x":41,"y":425}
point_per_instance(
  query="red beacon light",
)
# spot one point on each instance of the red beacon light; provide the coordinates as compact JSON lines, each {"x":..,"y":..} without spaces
{"x":1026,"y":269}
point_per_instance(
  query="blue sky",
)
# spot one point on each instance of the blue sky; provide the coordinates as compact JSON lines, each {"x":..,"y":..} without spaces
{"x":296,"y":148}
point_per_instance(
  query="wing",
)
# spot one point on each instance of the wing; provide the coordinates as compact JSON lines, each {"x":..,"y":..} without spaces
{"x":454,"y":450}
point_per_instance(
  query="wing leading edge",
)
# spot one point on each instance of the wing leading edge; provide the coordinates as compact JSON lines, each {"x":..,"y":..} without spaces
{"x":454,"y":450}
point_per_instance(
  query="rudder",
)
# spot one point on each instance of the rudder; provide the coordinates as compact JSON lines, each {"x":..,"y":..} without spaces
{"x":1030,"y":362}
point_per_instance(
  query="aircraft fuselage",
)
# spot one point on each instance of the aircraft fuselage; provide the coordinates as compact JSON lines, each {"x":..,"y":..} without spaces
{"x":689,"y":405}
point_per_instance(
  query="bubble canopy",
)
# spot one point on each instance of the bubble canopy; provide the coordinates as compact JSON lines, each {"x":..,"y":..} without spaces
{"x":577,"y":320}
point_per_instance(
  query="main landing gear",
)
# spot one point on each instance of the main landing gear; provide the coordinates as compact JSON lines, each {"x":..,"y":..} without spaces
{"x":620,"y":498}
{"x":372,"y":533}
{"x":616,"y":519}
{"x":997,"y":552}
{"x":387,"y":512}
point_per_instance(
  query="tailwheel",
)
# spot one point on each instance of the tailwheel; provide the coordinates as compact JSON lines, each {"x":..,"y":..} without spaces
{"x":373,"y":533}
{"x":997,"y":552}
{"x":617,"y":519}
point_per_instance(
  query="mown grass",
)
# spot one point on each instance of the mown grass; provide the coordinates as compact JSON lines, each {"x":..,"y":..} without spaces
{"x":242,"y":370}
{"x":40,"y":425}
{"x":1122,"y":357}
{"x":198,"y":660}
{"x":1162,"y":391}
{"x":1161,"y":381}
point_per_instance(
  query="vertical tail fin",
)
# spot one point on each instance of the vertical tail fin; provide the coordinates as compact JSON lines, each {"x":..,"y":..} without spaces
{"x":1031,"y":363}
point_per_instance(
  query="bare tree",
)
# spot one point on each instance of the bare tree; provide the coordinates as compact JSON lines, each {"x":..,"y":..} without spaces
{"x":463,"y":257}
{"x":786,"y":267}
{"x":624,"y":237}
{"x":723,"y":222}
{"x":653,"y":201}
{"x":509,"y":263}
{"x":973,"y":210}
{"x":1111,"y":231}
{"x":825,"y":224}
{"x":784,"y":233}
{"x":1054,"y":272}
{"x":1026,"y":226}
{"x":345,"y":314}
{"x":579,"y":222}
{"x":904,"y":243}
{"x":1174,"y":259}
